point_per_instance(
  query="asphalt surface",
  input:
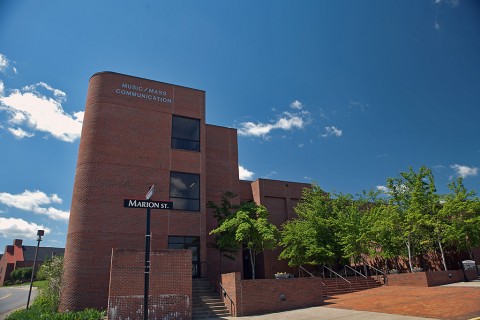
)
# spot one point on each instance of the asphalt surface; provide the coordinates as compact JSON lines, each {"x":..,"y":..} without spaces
{"x":12,"y":298}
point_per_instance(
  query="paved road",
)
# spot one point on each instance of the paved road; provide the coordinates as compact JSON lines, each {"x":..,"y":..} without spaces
{"x":12,"y":298}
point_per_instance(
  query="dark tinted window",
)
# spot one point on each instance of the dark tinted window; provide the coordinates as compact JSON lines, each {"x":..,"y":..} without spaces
{"x":185,"y":133}
{"x":185,"y":191}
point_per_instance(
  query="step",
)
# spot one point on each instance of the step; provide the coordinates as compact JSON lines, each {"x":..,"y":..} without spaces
{"x":206,"y":301}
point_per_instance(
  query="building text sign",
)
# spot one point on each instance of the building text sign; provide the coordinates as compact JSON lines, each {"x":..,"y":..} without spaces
{"x":148,"y":204}
{"x":146,"y":93}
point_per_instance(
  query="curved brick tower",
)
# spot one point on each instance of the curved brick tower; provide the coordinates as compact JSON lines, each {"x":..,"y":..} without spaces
{"x":126,"y":146}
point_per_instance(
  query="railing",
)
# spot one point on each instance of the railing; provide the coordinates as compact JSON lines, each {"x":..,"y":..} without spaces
{"x":302,"y":269}
{"x":232,"y":304}
{"x":355,"y":272}
{"x":337,"y":276}
{"x":378,"y":274}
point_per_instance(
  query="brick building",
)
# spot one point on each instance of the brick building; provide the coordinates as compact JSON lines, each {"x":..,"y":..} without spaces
{"x":19,"y":256}
{"x":137,"y":132}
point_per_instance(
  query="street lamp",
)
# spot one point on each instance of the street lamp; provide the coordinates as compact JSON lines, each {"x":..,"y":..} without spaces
{"x":40,"y":234}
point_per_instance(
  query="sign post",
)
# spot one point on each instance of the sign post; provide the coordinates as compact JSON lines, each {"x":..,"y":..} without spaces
{"x":148,"y":204}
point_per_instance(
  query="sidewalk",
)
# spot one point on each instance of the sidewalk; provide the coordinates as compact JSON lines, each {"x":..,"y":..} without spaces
{"x":460,"y":301}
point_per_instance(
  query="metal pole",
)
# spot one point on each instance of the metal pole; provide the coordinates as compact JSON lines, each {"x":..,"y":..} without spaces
{"x":147,"y":266}
{"x":33,"y":270}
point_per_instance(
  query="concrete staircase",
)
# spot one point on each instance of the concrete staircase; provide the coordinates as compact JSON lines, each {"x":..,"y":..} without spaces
{"x":206,"y":301}
{"x":338,"y":286}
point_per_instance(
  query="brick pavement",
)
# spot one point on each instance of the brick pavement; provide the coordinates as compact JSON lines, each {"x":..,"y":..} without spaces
{"x":444,"y":302}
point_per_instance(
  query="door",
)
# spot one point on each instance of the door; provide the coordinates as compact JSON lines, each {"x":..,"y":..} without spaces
{"x":191,"y":243}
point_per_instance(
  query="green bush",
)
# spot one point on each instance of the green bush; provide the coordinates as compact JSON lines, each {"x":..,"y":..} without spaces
{"x":36,"y":312}
{"x":21,"y":275}
{"x":45,"y":306}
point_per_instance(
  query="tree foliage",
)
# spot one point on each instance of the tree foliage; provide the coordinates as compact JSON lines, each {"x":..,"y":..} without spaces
{"x":225,"y":241}
{"x":20,"y":275}
{"x":410,"y":219}
{"x":461,"y":213}
{"x":51,"y":270}
{"x":249,"y":226}
{"x":312,"y":238}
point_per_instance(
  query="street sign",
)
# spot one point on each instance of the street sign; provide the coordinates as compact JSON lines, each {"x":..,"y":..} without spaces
{"x":149,"y":204}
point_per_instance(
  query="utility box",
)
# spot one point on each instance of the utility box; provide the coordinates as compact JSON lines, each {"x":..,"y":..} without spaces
{"x":469,"y":265}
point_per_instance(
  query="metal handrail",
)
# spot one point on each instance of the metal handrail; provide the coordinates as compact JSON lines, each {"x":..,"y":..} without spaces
{"x":368,"y":283}
{"x":232,"y":304}
{"x":311,"y":275}
{"x":356,"y":271}
{"x":349,"y":283}
{"x":385,"y":278}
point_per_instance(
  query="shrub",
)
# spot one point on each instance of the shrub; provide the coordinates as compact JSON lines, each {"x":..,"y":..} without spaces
{"x":36,"y":312}
{"x":45,"y":305}
{"x":21,"y":275}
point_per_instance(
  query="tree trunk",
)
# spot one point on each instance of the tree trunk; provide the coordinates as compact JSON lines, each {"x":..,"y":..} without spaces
{"x":441,"y":252}
{"x":409,"y":255}
{"x":252,"y":263}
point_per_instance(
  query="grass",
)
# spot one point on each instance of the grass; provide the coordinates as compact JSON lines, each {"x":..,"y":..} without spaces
{"x":40,"y":284}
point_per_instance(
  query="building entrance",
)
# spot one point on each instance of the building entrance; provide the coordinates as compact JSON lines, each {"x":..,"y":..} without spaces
{"x":191,"y":243}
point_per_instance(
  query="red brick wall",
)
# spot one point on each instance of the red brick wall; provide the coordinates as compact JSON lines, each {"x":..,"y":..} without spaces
{"x":170,"y":291}
{"x":12,"y":255}
{"x":429,"y":278}
{"x":279,"y":197}
{"x":265,"y":295}
{"x":221,"y":176}
{"x":125,"y":147}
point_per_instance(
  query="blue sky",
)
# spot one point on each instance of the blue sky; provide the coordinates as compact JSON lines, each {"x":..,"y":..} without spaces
{"x":343,"y":93}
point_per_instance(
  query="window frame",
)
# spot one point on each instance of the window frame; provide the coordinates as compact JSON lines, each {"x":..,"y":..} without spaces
{"x":180,"y":139}
{"x":172,"y":198}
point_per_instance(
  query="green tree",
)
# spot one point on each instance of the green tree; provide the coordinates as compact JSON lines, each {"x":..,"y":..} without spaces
{"x":312,"y":237}
{"x":461,"y":213}
{"x":251,"y":228}
{"x":225,"y":241}
{"x":354,"y":217}
{"x":385,"y":233}
{"x":413,"y":197}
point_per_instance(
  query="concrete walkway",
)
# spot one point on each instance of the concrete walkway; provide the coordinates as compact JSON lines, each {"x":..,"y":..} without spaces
{"x":459,"y":301}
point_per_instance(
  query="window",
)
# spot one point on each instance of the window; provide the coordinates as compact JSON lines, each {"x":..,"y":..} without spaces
{"x":185,"y":133}
{"x":185,"y":191}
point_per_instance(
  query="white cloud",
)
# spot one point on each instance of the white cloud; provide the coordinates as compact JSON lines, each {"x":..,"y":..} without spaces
{"x":2,"y":88}
{"x":382,"y":189}
{"x":464,"y":171}
{"x":3,"y":63}
{"x":244,"y":174}
{"x":42,"y":111}
{"x":287,"y":121}
{"x":332,"y":131}
{"x":363,"y":107}
{"x":20,"y":133}
{"x":18,"y":228}
{"x":296,"y":105}
{"x":271,"y":174}
{"x":436,"y":25}
{"x":453,"y":3}
{"x":34,"y":201}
